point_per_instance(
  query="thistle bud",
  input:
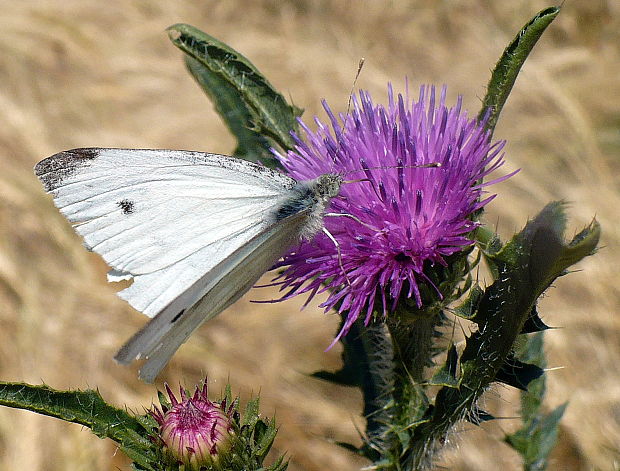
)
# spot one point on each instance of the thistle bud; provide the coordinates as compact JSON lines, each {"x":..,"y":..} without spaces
{"x":194,"y":431}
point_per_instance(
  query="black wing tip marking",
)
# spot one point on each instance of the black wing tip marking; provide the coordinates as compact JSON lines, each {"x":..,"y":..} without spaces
{"x":53,"y":170}
{"x":66,"y":159}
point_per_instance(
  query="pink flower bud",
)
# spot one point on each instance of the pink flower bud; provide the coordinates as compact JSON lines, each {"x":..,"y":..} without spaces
{"x":195,"y":430}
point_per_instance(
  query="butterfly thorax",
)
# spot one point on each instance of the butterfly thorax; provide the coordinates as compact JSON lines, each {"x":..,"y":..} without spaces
{"x":312,"y":197}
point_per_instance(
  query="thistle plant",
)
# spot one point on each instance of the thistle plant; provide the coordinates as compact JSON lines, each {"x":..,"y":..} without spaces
{"x":398,"y":269}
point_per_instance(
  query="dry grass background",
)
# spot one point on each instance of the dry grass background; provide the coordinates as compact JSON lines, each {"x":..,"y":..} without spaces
{"x":90,"y":73}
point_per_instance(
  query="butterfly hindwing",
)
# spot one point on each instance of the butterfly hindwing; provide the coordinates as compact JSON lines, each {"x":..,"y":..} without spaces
{"x":215,"y":291}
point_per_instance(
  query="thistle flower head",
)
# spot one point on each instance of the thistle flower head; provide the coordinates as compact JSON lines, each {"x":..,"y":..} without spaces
{"x":194,"y":430}
{"x":405,"y":217}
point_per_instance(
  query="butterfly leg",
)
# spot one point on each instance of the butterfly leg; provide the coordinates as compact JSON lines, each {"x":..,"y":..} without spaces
{"x":333,"y":239}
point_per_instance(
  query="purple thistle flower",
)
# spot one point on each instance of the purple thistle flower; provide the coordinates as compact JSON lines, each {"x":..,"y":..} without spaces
{"x":194,"y":431}
{"x":412,"y":217}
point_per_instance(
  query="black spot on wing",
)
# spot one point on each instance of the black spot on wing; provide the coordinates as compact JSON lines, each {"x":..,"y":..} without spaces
{"x":53,"y":170}
{"x":126,"y":205}
{"x":177,"y":317}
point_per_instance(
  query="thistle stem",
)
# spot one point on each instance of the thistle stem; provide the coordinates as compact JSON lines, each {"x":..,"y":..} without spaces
{"x":378,"y":384}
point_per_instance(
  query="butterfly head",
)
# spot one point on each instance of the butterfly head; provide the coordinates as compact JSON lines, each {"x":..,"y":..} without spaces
{"x":328,"y":186}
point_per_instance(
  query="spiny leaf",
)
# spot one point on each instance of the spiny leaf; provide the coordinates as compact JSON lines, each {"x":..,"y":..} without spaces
{"x":534,"y":323}
{"x":86,"y":408}
{"x":536,"y":439}
{"x":549,"y":255}
{"x":508,"y":67}
{"x":517,"y":374}
{"x":271,"y":115}
{"x":251,"y":412}
{"x":477,"y":416}
{"x":266,"y":440}
{"x":234,"y":112}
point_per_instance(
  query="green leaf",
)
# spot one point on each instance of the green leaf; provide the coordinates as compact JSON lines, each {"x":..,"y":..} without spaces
{"x":529,"y":263}
{"x":507,"y":68}
{"x":266,"y":439}
{"x":270,"y":114}
{"x":86,"y":408}
{"x":163,"y":400}
{"x":234,"y":112}
{"x":251,"y":413}
{"x":535,"y":440}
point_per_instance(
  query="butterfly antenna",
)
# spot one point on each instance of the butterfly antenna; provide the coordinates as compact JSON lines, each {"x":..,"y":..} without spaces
{"x":360,"y":65}
{"x":357,"y":180}
{"x":383,"y":167}
{"x":357,"y":75}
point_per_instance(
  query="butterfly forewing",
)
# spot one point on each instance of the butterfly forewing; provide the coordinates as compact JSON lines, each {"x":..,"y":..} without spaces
{"x":163,"y":217}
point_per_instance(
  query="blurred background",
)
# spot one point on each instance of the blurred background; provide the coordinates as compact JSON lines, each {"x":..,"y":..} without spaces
{"x":79,"y":73}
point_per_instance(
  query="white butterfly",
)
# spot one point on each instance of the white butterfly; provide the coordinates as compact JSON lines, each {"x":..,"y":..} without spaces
{"x":194,"y":231}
